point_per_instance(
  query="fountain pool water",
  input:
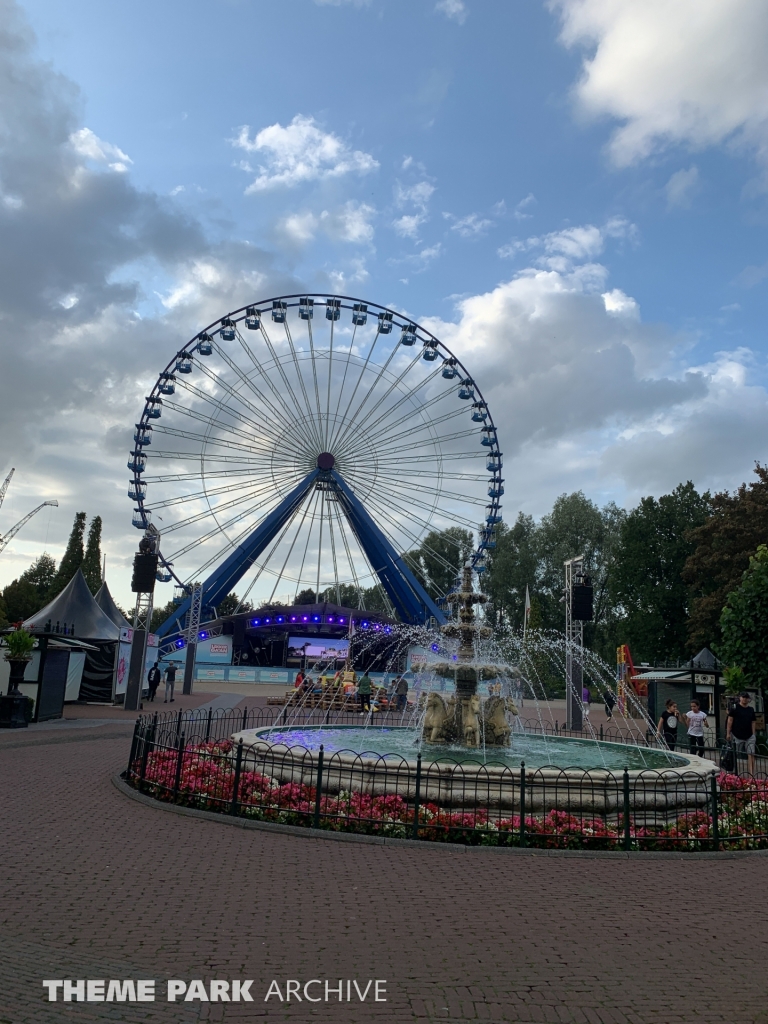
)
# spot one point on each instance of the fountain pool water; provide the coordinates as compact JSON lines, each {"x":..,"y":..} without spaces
{"x":536,"y":751}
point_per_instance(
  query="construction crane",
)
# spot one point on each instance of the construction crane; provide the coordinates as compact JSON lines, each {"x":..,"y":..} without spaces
{"x":6,"y":537}
{"x":4,"y":488}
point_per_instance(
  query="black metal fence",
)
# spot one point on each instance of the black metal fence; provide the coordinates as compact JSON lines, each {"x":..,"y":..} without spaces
{"x":188,"y":758}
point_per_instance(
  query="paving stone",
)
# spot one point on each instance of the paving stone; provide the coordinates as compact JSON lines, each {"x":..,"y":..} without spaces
{"x":97,"y":885}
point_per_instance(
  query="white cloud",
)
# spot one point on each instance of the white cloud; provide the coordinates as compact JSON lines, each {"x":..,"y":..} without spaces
{"x":91,"y":147}
{"x":522,"y":208}
{"x":300,"y":228}
{"x":418,"y":195}
{"x":350,"y":223}
{"x":691,"y":72}
{"x":582,"y":242}
{"x":617,"y":303}
{"x":454,"y":9}
{"x":471,"y":226}
{"x":681,"y":187}
{"x":408,"y":225}
{"x":300,"y":152}
{"x":586,"y":395}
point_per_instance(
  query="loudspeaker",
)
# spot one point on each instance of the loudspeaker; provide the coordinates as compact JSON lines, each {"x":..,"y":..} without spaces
{"x":227,"y":627}
{"x":581,"y":601}
{"x":144,"y":574}
{"x":238,"y":636}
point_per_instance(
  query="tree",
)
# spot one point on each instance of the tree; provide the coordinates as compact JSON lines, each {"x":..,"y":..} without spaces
{"x":231,"y":603}
{"x":73,"y":557}
{"x":513,"y":565}
{"x":3,"y":613}
{"x":744,"y":623}
{"x":305,"y":596}
{"x":91,"y":564}
{"x":21,"y":600}
{"x":41,"y":575}
{"x":646,"y":583}
{"x":722,"y":547}
{"x":438,"y":560}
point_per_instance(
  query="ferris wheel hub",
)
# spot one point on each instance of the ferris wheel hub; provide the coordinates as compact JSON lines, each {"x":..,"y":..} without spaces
{"x":325,"y":461}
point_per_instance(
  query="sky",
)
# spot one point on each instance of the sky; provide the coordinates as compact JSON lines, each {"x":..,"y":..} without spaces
{"x":573,"y":195}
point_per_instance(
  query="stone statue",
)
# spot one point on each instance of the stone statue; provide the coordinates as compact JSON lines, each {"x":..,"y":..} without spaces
{"x":435,"y":719}
{"x":497,"y":730}
{"x":471,"y":721}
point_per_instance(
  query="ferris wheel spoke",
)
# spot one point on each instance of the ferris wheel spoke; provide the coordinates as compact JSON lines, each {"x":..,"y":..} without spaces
{"x":333,"y":552}
{"x":220,"y":425}
{"x":343,"y":379}
{"x":202,"y":495}
{"x":264,"y":375}
{"x":398,"y":500}
{"x":345,"y":542}
{"x":394,"y":384}
{"x":215,"y":512}
{"x":393,"y":450}
{"x":336,"y":435}
{"x":283,"y":375}
{"x":313,"y":427}
{"x":204,"y":439}
{"x":306,"y":546}
{"x":328,"y":392}
{"x":262,"y":422}
{"x":314,"y":378}
{"x":408,"y":497}
{"x":280,"y":575}
{"x":408,"y":396}
{"x":215,"y":475}
{"x":410,"y":430}
{"x":320,"y":544}
{"x":246,"y":381}
{"x":240,"y":460}
{"x":220,"y":527}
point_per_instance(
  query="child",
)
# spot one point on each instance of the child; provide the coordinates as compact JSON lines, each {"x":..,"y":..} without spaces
{"x":668,"y":723}
{"x":697,"y":722}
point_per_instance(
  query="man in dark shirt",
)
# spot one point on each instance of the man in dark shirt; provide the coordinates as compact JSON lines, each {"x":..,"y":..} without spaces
{"x":740,"y":729}
{"x":170,"y":681}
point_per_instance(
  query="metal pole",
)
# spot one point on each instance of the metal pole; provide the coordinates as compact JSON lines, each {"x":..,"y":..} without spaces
{"x":193,"y":627}
{"x":715,"y":812}
{"x":417,"y":798}
{"x":627,"y":834}
{"x":522,"y":803}
{"x":574,"y":638}
{"x":236,"y":783}
{"x":318,"y":787}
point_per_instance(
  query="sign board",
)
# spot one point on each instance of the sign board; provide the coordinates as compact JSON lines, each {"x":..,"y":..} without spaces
{"x":151,"y":640}
{"x":126,"y":635}
{"x":214,"y":649}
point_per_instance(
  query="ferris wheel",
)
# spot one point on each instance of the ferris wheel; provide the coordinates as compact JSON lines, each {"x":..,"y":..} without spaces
{"x":313,"y":442}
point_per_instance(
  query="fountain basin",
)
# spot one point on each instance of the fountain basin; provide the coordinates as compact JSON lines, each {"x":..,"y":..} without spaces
{"x":382,"y":760}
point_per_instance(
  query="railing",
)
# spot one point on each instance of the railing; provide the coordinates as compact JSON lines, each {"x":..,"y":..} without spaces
{"x":188,"y":759}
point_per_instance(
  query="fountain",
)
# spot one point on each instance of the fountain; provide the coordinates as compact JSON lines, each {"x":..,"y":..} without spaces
{"x":463,"y":718}
{"x":473,"y":745}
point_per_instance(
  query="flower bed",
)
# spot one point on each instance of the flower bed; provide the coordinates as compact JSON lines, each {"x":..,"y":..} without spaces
{"x":205,"y":776}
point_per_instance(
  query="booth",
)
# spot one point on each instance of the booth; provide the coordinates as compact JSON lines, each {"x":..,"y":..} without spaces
{"x":75,"y":615}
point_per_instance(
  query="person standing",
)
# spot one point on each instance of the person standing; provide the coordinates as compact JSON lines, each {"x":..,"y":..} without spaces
{"x":170,"y":681}
{"x":610,"y":703}
{"x":668,"y":723}
{"x":299,"y":679}
{"x":586,"y":700}
{"x":401,"y":693}
{"x":697,"y":722}
{"x":153,"y":680}
{"x":364,"y":688}
{"x":740,"y":729}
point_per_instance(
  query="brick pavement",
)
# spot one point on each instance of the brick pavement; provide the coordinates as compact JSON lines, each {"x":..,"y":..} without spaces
{"x":97,"y":885}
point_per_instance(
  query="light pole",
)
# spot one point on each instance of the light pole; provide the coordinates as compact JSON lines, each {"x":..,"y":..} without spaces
{"x":578,"y":610}
{"x":143,"y":586}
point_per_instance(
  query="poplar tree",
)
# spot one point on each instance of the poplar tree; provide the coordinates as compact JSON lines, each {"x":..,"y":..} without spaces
{"x":73,"y":557}
{"x":92,"y":561}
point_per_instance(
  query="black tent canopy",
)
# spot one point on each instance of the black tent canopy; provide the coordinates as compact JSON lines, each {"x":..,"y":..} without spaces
{"x":106,"y":602}
{"x":75,"y":612}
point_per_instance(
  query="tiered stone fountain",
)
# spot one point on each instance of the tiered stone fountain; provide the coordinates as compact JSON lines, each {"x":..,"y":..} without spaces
{"x":464,"y":719}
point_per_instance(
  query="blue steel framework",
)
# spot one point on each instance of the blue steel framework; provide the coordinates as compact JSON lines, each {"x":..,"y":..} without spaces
{"x":325,"y":477}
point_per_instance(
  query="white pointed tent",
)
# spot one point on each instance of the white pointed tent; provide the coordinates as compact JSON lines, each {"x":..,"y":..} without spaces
{"x":75,"y":613}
